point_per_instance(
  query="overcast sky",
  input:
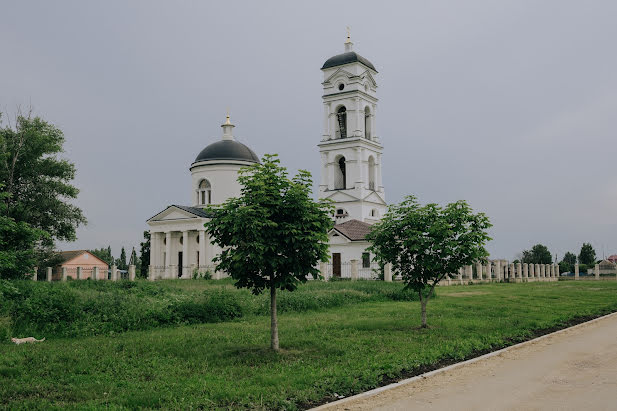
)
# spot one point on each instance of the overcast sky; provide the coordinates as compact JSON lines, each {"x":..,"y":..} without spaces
{"x":510,"y":105}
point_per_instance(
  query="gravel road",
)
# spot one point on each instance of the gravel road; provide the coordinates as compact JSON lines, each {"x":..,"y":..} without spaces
{"x":573,"y":370}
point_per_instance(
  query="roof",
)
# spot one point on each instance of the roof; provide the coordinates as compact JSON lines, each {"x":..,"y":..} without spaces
{"x":227,"y":150}
{"x":355,"y":230}
{"x":69,"y":255}
{"x":200,"y":212}
{"x":612,"y":257}
{"x":346,"y":58}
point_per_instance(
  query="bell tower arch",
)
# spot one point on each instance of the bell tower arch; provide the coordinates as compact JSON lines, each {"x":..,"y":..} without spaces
{"x":350,"y":148}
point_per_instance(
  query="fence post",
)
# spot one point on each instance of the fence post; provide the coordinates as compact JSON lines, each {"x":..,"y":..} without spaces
{"x":78,"y":273}
{"x":49,"y":273}
{"x":63,"y":273}
{"x":576,"y":271}
{"x":323,"y":270}
{"x":132,"y":272}
{"x":354,"y":270}
{"x":114,"y":273}
{"x":36,"y":274}
{"x":596,"y":271}
{"x":479,"y":270}
{"x":519,"y":271}
{"x":95,"y":273}
{"x":525,"y":270}
{"x":488,"y":271}
{"x":387,"y":272}
{"x":151,"y":273}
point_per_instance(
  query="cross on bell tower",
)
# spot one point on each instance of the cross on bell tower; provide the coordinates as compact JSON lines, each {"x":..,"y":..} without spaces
{"x":350,"y":148}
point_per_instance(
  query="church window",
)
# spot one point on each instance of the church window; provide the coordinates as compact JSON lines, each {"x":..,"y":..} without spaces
{"x":205,"y":192}
{"x":367,"y":123}
{"x":340,"y":211}
{"x":341,"y":86}
{"x":341,"y":117}
{"x":373,"y":213}
{"x":340,"y":175}
{"x":366,"y":260}
{"x":371,"y":173}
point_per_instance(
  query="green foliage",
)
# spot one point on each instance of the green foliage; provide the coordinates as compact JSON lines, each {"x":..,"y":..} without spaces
{"x":37,"y":180}
{"x":539,"y":254}
{"x":425,"y":243}
{"x":274,"y":235}
{"x":104,"y":254}
{"x":216,"y":307}
{"x":587,"y":255}
{"x":121,"y":262}
{"x":144,"y":255}
{"x":202,"y":274}
{"x":567,"y":263}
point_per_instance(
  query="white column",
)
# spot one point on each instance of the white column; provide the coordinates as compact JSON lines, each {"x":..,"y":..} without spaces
{"x":154,"y":250}
{"x":114,"y":273}
{"x":63,"y":273}
{"x":532,"y":272}
{"x":323,"y":270}
{"x":132,"y":272}
{"x":95,"y":272}
{"x":326,"y":115}
{"x":167,"y":255}
{"x":354,"y":269}
{"x":185,"y":254}
{"x":79,"y":273}
{"x":488,"y":270}
{"x":519,"y":270}
{"x":498,"y":270}
{"x":576,"y":271}
{"x":512,"y":274}
{"x":323,"y":185}
{"x":378,"y":181}
{"x":596,"y":271}
{"x":49,"y":273}
{"x":359,"y":178}
{"x":202,"y":247}
{"x":537,"y":270}
{"x":374,"y":122}
{"x":387,"y":272}
{"x":479,"y":270}
{"x":469,"y":272}
{"x":525,"y":270}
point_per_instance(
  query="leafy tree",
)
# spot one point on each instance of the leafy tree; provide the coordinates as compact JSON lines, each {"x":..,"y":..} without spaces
{"x":587,"y":255}
{"x":104,"y":254}
{"x":538,"y":254}
{"x":17,"y":243}
{"x":274,"y":235}
{"x":121,"y":262}
{"x":426,"y":243}
{"x":37,"y":180}
{"x":567,"y":263}
{"x":144,"y":255}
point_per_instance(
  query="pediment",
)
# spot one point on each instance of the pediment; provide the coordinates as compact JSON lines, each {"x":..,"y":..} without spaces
{"x":336,"y":238}
{"x":173,"y":213}
{"x":367,"y":75}
{"x":340,"y":196}
{"x":339,"y":74}
{"x":374,"y":197}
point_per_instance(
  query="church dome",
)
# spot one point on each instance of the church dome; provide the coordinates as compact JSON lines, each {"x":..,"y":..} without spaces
{"x":346,"y":58}
{"x":227,"y":150}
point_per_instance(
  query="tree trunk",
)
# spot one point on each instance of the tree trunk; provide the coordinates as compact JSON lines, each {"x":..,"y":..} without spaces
{"x":423,"y":301}
{"x":274,"y":326}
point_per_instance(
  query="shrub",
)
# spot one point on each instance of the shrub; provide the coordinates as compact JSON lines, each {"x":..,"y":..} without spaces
{"x":216,"y":307}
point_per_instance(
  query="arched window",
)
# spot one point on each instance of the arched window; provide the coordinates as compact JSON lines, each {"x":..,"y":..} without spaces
{"x":340,"y":174}
{"x":374,"y":213}
{"x":367,"y":123}
{"x":204,"y":192}
{"x":341,"y":122}
{"x":371,"y":173}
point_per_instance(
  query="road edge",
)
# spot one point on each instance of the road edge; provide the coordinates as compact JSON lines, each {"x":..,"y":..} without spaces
{"x":410,"y":380}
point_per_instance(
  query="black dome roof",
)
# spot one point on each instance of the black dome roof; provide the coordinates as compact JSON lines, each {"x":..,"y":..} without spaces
{"x":346,"y":58}
{"x":227,"y":150}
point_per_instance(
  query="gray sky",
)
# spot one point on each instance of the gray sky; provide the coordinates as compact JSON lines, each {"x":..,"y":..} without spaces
{"x":510,"y":105}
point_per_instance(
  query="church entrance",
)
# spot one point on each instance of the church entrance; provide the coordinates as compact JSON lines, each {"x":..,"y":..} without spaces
{"x":180,"y":264}
{"x":336,"y":264}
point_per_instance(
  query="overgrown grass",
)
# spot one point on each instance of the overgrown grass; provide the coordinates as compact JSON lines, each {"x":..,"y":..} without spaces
{"x":86,"y":308}
{"x":341,"y":350}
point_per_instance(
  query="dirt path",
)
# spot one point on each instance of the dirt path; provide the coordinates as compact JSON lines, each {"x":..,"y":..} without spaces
{"x":573,"y":370}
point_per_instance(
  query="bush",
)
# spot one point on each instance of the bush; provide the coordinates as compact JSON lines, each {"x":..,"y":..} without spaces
{"x":204,"y":275}
{"x":217,"y":307}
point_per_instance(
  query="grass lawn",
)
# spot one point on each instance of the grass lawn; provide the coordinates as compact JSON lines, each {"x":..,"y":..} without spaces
{"x":336,"y":351}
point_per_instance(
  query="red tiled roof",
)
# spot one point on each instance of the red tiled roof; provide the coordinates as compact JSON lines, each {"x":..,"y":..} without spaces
{"x":355,"y":230}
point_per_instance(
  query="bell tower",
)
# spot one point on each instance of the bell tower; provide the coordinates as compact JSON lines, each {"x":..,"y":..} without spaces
{"x":350,"y":148}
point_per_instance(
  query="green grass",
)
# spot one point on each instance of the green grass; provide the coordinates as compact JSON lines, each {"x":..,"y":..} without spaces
{"x":341,"y":350}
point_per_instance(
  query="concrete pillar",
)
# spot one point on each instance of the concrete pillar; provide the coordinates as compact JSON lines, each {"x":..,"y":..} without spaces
{"x":479,"y":270}
{"x":519,"y":270}
{"x":354,"y":270}
{"x":460,"y":275}
{"x":532,"y":271}
{"x":49,"y":273}
{"x":185,"y":254}
{"x":498,"y":270}
{"x":596,"y":271}
{"x":323,"y":270}
{"x":537,"y":270}
{"x":541,"y":270}
{"x":576,"y":271}
{"x":488,"y":271}
{"x":387,"y":272}
{"x":63,"y":273}
{"x":114,"y":273}
{"x":95,"y":273}
{"x":168,"y":254}
{"x":202,"y":247}
{"x":469,"y":272}
{"x":35,"y":275}
{"x":151,"y":273}
{"x":525,"y":270}
{"x":132,"y":272}
{"x":79,"y":273}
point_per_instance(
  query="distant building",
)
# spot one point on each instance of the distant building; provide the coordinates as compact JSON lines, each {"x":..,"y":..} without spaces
{"x":613,"y":258}
{"x":79,"y":258}
{"x":607,"y":267}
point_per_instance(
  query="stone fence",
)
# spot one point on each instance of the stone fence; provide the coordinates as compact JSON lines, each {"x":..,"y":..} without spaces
{"x":81,"y":273}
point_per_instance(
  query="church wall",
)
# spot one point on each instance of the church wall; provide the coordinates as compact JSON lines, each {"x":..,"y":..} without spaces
{"x":223,"y":179}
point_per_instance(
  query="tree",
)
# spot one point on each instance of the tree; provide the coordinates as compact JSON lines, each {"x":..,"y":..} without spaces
{"x":567,"y":263}
{"x":426,"y":243}
{"x":587,"y":255}
{"x":104,"y":254}
{"x":274,"y":235}
{"x":37,"y":180}
{"x":17,"y":244}
{"x":144,"y":255}
{"x":538,"y":254}
{"x":121,"y":262}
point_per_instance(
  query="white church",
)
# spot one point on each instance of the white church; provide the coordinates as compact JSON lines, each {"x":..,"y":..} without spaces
{"x":350,"y":176}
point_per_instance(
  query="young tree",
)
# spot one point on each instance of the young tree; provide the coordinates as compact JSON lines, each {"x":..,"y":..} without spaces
{"x":121,"y":262}
{"x":104,"y":254}
{"x":426,"y":243}
{"x":37,"y":180}
{"x":538,"y":254}
{"x":144,"y":255}
{"x":274,"y":235}
{"x":567,"y":264}
{"x":587,"y":255}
